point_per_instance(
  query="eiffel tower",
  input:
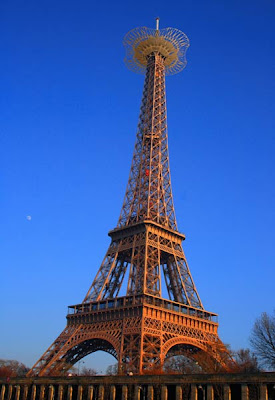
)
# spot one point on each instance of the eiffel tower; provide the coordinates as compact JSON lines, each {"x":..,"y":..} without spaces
{"x":142,"y":329}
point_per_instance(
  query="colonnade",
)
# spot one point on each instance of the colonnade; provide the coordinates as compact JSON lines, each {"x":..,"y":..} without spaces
{"x":54,"y":391}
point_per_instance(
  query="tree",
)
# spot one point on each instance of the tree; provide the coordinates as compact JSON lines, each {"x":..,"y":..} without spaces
{"x":88,"y":371}
{"x":241,"y":361}
{"x":245,"y":362}
{"x":263,"y":339}
{"x":191,"y":360}
{"x":6,"y":371}
{"x":112,"y":369}
{"x":12,"y":368}
{"x":182,"y":365}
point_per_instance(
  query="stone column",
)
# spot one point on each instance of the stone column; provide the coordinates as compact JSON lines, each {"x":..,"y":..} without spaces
{"x":25,"y":392}
{"x":17,"y":392}
{"x":263,"y":392}
{"x":60,"y":392}
{"x":113,"y":392}
{"x":245,"y":393}
{"x":3,"y":389}
{"x":124,"y":392}
{"x":164,"y":393}
{"x":101,"y":392}
{"x":210,"y":392}
{"x":70,"y":392}
{"x":51,"y":392}
{"x":194,"y":392}
{"x":178,"y":392}
{"x":10,"y":392}
{"x":42,"y":392}
{"x":150,"y":393}
{"x":226,"y":392}
{"x":90,"y":392}
{"x":79,"y":392}
{"x":33,"y":393}
{"x":137,"y":392}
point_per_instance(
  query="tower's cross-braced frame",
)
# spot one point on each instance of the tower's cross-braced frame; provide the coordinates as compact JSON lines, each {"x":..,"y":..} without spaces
{"x":142,"y":328}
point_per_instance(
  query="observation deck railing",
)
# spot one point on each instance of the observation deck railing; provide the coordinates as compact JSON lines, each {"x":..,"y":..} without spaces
{"x":130,"y":301}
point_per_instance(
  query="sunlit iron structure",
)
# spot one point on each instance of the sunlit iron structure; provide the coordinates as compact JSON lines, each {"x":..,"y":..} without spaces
{"x":142,"y":328}
{"x":171,"y":43}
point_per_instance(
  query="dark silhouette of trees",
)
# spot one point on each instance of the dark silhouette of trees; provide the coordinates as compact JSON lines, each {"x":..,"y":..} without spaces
{"x":12,"y":368}
{"x":241,"y":361}
{"x":182,"y":365}
{"x":263,"y":339}
{"x":112,"y":369}
{"x":245,"y":362}
{"x":88,"y":371}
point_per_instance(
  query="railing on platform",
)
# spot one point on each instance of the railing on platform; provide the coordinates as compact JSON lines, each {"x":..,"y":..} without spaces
{"x":130,"y":301}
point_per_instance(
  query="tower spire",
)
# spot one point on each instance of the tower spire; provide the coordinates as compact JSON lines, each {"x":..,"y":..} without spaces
{"x":157,"y":23}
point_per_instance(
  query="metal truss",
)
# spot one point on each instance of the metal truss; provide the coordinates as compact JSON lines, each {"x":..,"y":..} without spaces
{"x":145,"y":253}
{"x":149,"y":194}
{"x":142,"y":328}
{"x":139,"y":333}
{"x":171,"y":43}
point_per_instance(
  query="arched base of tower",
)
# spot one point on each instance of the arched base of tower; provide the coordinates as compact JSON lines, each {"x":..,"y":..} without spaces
{"x":190,"y":359}
{"x":139,"y":331}
{"x":73,"y":344}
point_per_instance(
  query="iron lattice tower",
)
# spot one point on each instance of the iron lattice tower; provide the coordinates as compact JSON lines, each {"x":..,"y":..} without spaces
{"x":142,"y":328}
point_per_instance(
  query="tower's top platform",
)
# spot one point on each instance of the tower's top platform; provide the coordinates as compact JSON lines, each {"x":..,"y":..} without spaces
{"x":170,"y":42}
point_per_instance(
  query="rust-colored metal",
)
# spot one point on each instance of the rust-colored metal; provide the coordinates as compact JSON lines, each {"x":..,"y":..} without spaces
{"x":142,"y":328}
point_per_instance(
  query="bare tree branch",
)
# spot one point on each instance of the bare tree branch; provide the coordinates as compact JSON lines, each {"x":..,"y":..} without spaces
{"x":263,"y":339}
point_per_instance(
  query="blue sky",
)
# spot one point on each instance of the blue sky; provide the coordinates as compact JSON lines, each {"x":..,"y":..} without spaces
{"x":69,"y":111}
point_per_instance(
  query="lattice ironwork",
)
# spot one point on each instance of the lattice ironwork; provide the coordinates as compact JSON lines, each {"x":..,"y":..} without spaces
{"x":149,"y":194}
{"x":171,"y":43}
{"x":142,"y":327}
